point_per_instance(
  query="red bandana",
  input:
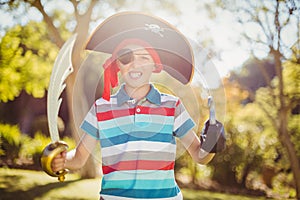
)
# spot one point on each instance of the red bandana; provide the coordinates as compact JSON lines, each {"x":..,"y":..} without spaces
{"x":111,"y":68}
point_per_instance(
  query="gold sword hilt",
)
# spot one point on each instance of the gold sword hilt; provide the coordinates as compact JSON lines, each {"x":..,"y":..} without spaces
{"x":48,"y":154}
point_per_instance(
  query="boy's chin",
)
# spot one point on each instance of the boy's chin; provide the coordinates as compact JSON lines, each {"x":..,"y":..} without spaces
{"x":137,"y":84}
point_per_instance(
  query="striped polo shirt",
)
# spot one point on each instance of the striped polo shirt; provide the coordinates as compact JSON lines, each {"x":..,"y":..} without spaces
{"x":138,"y":145}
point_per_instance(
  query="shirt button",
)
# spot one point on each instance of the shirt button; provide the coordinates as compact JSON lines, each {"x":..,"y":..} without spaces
{"x":138,"y":110}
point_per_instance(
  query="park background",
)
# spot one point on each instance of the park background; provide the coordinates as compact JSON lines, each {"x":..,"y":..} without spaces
{"x":253,"y":45}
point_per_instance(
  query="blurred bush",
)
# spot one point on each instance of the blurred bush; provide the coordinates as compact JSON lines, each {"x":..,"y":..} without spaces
{"x":19,"y":150}
{"x":10,"y":143}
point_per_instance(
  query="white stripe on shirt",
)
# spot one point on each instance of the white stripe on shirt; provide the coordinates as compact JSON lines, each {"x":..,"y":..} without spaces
{"x":138,"y":146}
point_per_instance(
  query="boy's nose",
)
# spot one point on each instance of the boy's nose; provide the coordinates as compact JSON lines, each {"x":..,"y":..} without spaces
{"x":135,"y":62}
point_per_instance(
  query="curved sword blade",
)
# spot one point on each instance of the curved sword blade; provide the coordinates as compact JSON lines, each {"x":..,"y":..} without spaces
{"x":61,"y":70}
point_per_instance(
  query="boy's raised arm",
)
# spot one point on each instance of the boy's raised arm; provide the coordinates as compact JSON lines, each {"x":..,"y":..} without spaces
{"x":193,"y":145}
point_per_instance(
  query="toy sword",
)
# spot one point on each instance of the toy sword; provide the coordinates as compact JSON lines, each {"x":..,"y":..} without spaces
{"x":61,"y":70}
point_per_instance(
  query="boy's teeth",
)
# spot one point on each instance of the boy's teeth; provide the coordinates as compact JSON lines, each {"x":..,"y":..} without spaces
{"x":135,"y":74}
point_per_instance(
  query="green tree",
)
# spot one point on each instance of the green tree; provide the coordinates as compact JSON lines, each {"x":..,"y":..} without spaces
{"x":268,"y":101}
{"x":57,"y":25}
{"x":26,"y":57}
{"x":275,"y":21}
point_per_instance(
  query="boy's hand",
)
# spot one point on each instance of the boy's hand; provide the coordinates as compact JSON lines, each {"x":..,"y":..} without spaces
{"x":58,"y":162}
{"x":212,"y":137}
{"x":53,"y":159}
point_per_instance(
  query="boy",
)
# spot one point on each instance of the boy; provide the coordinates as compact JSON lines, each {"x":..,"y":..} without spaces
{"x":138,"y":125}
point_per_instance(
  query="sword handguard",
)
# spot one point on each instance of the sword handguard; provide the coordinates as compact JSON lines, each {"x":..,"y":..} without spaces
{"x":48,"y":154}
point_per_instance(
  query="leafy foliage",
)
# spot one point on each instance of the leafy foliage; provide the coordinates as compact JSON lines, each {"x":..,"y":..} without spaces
{"x":26,"y":58}
{"x":291,"y":74}
{"x":20,"y":149}
{"x":32,"y":148}
{"x":253,"y":144}
{"x":10,"y":137}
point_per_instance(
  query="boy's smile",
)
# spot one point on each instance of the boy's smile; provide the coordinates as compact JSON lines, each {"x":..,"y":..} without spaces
{"x":135,"y":75}
{"x":136,"y":66}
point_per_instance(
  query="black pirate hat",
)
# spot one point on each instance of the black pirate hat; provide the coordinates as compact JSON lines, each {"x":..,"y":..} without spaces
{"x":174,"y":50}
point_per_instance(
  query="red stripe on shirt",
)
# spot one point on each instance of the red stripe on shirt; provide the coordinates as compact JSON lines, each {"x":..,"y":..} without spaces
{"x":139,"y":165}
{"x":102,"y":116}
{"x":164,"y":111}
{"x":156,"y":111}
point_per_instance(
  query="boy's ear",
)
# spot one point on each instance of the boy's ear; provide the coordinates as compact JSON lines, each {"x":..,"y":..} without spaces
{"x":155,"y":68}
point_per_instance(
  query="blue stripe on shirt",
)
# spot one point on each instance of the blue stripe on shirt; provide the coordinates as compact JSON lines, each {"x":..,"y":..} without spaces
{"x":184,"y":128}
{"x":138,"y":184}
{"x":138,"y":136}
{"x":140,"y":174}
{"x":90,"y":129}
{"x":137,"y":127}
{"x":143,"y":193}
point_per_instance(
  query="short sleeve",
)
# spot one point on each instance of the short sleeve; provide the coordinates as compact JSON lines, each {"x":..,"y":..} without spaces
{"x":183,"y":122}
{"x":90,"y":124}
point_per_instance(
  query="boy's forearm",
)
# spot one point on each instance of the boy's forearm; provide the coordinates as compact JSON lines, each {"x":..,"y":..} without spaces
{"x":193,"y":145}
{"x":73,"y":161}
{"x":77,"y":158}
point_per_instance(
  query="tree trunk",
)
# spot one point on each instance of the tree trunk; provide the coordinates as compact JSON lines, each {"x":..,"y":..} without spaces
{"x":79,"y":103}
{"x":290,"y":148}
{"x":283,"y":116}
{"x":77,"y":110}
{"x":77,"y":100}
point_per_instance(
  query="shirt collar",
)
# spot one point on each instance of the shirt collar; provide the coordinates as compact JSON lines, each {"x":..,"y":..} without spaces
{"x":153,"y":96}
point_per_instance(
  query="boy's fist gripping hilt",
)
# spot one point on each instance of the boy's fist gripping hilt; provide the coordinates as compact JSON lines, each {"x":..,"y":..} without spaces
{"x":49,"y":153}
{"x":213,"y":137}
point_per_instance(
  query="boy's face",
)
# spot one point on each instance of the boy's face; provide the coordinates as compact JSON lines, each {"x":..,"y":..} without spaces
{"x":136,"y":66}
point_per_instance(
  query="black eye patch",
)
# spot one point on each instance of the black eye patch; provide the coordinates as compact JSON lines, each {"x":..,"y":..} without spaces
{"x":125,"y":56}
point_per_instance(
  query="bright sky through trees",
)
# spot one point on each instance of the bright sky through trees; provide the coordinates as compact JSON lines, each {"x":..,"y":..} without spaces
{"x":194,"y":21}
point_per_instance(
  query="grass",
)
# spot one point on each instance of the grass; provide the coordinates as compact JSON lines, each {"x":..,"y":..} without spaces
{"x":206,"y":195}
{"x":34,"y":185}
